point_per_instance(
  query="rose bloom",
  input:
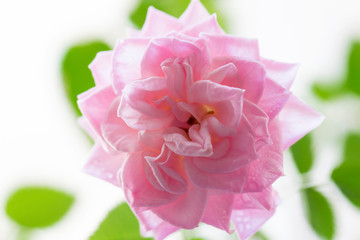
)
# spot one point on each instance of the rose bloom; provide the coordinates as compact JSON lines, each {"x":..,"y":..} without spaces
{"x":192,"y":123}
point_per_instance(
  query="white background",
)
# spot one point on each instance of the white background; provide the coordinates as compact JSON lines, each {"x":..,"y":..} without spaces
{"x":40,"y":142}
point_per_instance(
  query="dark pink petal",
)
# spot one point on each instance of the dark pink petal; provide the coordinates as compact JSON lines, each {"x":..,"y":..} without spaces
{"x":230,"y":46}
{"x":259,"y":121}
{"x":297,"y":119}
{"x":251,"y":73}
{"x":187,"y":211}
{"x":247,"y":221}
{"x":116,"y":133}
{"x":158,"y":23}
{"x":101,"y":68}
{"x":194,"y":13}
{"x":236,"y":152}
{"x":208,"y":25}
{"x":105,"y":166}
{"x":273,"y":99}
{"x":282,"y":73}
{"x":140,"y":121}
{"x":224,"y":101}
{"x":93,"y":105}
{"x":139,"y":192}
{"x":218,"y":211}
{"x":265,"y":170}
{"x":232,"y":182}
{"x":126,"y":61}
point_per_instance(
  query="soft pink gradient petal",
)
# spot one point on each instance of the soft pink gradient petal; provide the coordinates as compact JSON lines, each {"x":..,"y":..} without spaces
{"x":105,"y":166}
{"x":208,"y":25}
{"x":282,"y":73}
{"x":194,"y":13}
{"x":230,"y":46}
{"x":126,"y":61}
{"x":158,"y":23}
{"x":101,"y":68}
{"x":139,"y":192}
{"x":218,"y":211}
{"x":273,"y":99}
{"x":297,"y":119}
{"x":187,"y":211}
{"x":226,"y":74}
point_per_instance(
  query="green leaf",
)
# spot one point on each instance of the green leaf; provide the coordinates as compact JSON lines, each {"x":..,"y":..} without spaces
{"x":119,"y":224}
{"x":302,"y":154}
{"x":346,"y":176}
{"x":353,"y":74}
{"x":38,"y":207}
{"x":328,"y":91}
{"x":319,"y":213}
{"x":171,"y":7}
{"x":259,"y":236}
{"x":76,"y":75}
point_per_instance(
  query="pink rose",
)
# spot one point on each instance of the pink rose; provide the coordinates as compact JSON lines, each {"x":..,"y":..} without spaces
{"x":192,"y":123}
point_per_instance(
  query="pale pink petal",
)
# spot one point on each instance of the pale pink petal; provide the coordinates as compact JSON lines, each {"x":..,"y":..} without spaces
{"x":251,"y":73}
{"x":152,"y":139}
{"x":158,"y":23}
{"x":282,"y":73}
{"x":208,"y":25}
{"x":259,"y":121}
{"x":187,"y":211}
{"x":93,"y":105}
{"x":194,"y":13}
{"x":218,"y":211}
{"x":224,"y":102}
{"x":126,"y":61}
{"x":117,"y":134}
{"x":237,"y":153}
{"x":178,"y":112}
{"x":101,"y":68}
{"x":230,"y":46}
{"x":226,"y":74}
{"x":273,"y":99}
{"x":139,"y":192}
{"x":255,"y":200}
{"x":297,"y":119}
{"x":232,"y":182}
{"x":269,"y":167}
{"x":105,"y":166}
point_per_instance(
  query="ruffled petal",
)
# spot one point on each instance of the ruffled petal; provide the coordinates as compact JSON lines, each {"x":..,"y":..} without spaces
{"x":187,"y":211}
{"x":126,"y":61}
{"x":226,"y":75}
{"x":105,"y":166}
{"x":158,"y":23}
{"x":194,"y":13}
{"x":101,"y":68}
{"x":139,"y":192}
{"x":208,"y":25}
{"x":273,"y":99}
{"x":282,"y":73}
{"x":230,"y":46}
{"x":218,"y":211}
{"x":297,"y":119}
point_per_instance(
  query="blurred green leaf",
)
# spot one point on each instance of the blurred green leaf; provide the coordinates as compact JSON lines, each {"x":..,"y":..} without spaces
{"x":326,"y":91}
{"x":119,"y":224}
{"x":38,"y":207}
{"x":319,"y":213}
{"x":171,"y":7}
{"x":302,"y":154}
{"x":353,"y":71}
{"x":259,"y":236}
{"x":346,"y":176}
{"x":76,"y":75}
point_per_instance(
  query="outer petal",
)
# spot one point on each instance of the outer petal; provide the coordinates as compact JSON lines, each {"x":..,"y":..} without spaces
{"x":158,"y":23}
{"x":137,"y":188}
{"x":208,"y":25}
{"x":230,"y":46}
{"x":194,"y":13}
{"x":105,"y":166}
{"x":297,"y":119}
{"x":187,"y":211}
{"x":126,"y":61}
{"x":218,"y":211}
{"x":281,"y":73}
{"x":101,"y":68}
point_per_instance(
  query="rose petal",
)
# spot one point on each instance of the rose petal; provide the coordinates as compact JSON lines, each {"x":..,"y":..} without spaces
{"x":208,"y":25}
{"x":195,"y":12}
{"x":101,"y":68}
{"x":226,"y":75}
